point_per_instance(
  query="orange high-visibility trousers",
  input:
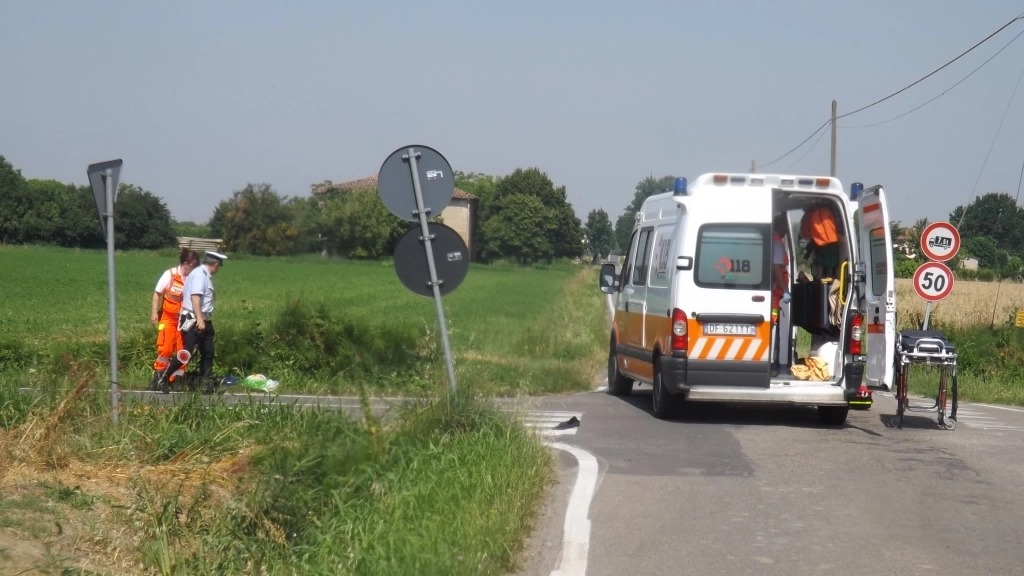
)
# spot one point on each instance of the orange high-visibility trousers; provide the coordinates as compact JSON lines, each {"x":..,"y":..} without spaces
{"x":168,"y":342}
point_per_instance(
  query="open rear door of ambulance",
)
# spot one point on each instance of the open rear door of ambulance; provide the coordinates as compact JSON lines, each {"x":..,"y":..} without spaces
{"x":879,"y":297}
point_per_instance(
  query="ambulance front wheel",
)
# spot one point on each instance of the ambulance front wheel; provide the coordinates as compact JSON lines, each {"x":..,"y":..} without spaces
{"x":618,"y":383}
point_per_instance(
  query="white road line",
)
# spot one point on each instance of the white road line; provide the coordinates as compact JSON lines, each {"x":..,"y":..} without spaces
{"x":996,"y":427}
{"x":1001,"y":407}
{"x":576,"y":531}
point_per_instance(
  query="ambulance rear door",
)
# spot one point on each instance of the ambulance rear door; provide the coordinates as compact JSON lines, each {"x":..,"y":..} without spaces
{"x":728,"y":300}
{"x":878,"y":297}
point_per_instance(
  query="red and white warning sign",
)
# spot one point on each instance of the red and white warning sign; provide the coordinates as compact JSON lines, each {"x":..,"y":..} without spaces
{"x":940,"y":241}
{"x":933,"y":281}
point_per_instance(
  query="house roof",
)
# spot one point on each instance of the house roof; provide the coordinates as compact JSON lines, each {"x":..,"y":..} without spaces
{"x":370,"y":183}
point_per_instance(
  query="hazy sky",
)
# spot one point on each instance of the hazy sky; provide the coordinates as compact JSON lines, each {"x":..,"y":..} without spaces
{"x":201,"y":97}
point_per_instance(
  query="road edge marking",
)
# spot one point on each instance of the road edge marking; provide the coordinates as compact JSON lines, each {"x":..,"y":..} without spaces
{"x":1000,"y":407}
{"x":576,"y":529}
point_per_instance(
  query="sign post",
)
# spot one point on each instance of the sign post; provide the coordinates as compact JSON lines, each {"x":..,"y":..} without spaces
{"x":429,"y":189}
{"x":103,"y":179}
{"x":940,"y":241}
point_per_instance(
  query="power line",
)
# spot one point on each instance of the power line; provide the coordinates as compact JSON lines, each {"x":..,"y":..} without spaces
{"x":905,"y":88}
{"x":991,"y":146}
{"x":808,"y":151}
{"x":827,"y":122}
{"x":933,"y":72}
{"x":1007,"y":45}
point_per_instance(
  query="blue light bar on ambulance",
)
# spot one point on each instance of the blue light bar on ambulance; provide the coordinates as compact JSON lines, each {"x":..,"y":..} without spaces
{"x":805,"y":182}
{"x":680,"y":187}
{"x":855,"y":190}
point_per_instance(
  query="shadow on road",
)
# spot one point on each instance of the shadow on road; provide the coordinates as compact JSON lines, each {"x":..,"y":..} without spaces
{"x":909,"y":421}
{"x":739,"y":414}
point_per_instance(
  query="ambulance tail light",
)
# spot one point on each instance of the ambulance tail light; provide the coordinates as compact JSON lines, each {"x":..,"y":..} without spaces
{"x":680,"y":340}
{"x":857,"y":334}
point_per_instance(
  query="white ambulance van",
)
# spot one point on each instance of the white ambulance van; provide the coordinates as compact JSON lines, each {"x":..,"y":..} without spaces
{"x":693,"y":299}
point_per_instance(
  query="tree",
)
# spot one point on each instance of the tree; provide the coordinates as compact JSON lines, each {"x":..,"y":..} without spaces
{"x":256,"y":220}
{"x":520,"y":230}
{"x":987,"y":252}
{"x":357,"y":224}
{"x":623,"y":229}
{"x":483,"y":186}
{"x":191,"y":229}
{"x":557,"y":223}
{"x":141,"y":220}
{"x":995,"y":215}
{"x":1014,"y":269}
{"x":600,"y":235}
{"x":645,"y":188}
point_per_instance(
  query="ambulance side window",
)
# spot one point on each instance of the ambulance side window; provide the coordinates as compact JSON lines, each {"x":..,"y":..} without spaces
{"x":659,"y":263}
{"x":642,"y":257}
{"x":627,"y":267}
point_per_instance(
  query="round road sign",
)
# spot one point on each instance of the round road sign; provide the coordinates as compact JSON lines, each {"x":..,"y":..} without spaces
{"x":394,"y":182}
{"x":940,"y":241}
{"x":933,"y":281}
{"x":451,"y":259}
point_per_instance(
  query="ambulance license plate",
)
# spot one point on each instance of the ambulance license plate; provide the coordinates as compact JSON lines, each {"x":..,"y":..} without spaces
{"x":729,"y":330}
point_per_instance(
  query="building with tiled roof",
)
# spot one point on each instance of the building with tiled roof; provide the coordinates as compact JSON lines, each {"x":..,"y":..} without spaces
{"x":460,"y":214}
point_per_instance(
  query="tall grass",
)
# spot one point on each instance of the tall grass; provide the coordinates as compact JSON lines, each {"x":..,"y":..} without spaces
{"x":447,"y":487}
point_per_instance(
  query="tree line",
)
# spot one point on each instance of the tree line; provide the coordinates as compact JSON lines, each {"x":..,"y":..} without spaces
{"x":991,"y":232}
{"x":523,"y":217}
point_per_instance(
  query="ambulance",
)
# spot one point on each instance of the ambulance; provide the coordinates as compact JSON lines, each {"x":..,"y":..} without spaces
{"x":695,"y":316}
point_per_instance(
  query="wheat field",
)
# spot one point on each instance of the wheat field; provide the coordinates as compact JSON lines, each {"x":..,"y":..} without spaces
{"x":970,"y":305}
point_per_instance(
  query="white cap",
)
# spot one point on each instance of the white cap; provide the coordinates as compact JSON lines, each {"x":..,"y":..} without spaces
{"x":216,"y":255}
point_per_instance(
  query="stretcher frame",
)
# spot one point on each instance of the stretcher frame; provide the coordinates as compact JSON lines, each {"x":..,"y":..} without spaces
{"x":933,"y":351}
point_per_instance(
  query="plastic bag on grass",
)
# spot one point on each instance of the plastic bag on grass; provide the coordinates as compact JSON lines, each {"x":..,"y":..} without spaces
{"x":260,"y":383}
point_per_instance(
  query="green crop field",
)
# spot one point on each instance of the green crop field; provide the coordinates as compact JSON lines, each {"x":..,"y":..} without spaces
{"x":314,"y":325}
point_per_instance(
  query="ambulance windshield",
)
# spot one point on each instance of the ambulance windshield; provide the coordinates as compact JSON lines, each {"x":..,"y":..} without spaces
{"x":732,"y":256}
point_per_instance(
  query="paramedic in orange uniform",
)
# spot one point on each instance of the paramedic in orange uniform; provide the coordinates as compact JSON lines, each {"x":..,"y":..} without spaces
{"x":164,"y":315}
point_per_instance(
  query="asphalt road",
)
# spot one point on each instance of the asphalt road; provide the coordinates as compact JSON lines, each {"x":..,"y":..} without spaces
{"x":733,"y":491}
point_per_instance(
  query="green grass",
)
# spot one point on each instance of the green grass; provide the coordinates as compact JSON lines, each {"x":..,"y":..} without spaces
{"x":990,"y":362}
{"x":447,"y":487}
{"x":312,"y":324}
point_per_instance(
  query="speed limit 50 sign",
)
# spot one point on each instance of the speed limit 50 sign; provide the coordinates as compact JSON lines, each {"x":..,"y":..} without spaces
{"x":933,"y":281}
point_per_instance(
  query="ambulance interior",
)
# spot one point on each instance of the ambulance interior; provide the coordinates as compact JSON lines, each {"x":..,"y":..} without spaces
{"x":820,"y":295}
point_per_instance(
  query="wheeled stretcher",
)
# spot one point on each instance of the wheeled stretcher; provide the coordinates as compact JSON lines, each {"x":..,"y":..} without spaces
{"x":928,"y":348}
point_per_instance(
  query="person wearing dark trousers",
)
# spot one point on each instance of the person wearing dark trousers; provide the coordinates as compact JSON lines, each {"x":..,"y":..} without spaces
{"x":196,"y":320}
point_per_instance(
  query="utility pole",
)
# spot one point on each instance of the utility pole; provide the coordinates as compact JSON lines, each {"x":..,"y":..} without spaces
{"x":834,"y":109}
{"x":753,"y":167}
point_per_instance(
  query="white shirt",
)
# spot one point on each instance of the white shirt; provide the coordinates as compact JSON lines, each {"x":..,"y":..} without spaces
{"x":199,"y":282}
{"x":163,"y":282}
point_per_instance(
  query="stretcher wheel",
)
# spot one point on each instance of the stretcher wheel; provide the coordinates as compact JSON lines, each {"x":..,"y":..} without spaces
{"x":949,"y":423}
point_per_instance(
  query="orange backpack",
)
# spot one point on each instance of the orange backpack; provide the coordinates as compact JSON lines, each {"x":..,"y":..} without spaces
{"x":819,"y":226}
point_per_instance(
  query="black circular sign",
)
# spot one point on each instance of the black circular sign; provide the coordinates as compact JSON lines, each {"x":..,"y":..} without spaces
{"x":394,"y":182}
{"x":451,"y":259}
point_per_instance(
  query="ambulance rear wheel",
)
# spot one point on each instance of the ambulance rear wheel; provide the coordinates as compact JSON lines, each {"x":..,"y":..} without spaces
{"x":663,"y":403}
{"x":618,"y":383}
{"x":833,"y":415}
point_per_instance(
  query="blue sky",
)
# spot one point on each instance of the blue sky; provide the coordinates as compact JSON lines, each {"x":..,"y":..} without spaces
{"x":200,"y":98}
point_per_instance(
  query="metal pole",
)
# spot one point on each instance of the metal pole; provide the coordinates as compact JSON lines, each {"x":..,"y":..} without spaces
{"x":835,"y":107}
{"x":108,"y":183}
{"x":927,"y":315}
{"x":422,"y":213}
